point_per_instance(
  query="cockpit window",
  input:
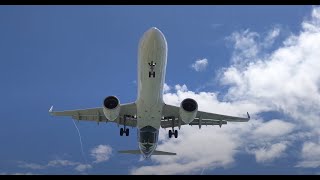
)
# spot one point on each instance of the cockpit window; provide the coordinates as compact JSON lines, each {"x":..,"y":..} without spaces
{"x":147,"y":137}
{"x":148,"y":134}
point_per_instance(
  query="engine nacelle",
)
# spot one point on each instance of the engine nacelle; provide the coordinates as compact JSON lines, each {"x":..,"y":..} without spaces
{"x":188,"y":110}
{"x":111,"y":107}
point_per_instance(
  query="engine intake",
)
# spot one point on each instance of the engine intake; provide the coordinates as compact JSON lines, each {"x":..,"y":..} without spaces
{"x":111,"y":107}
{"x":189,"y":105}
{"x":188,"y":110}
{"x":111,"y":102}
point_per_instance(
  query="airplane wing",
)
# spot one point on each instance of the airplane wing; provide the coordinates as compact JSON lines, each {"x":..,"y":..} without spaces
{"x":97,"y":115}
{"x":202,"y":118}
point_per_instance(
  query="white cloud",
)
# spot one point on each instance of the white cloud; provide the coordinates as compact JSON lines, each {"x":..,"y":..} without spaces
{"x":31,"y":165}
{"x":182,"y":88}
{"x":273,"y":128}
{"x":83,"y":167}
{"x":270,"y":38}
{"x":56,"y":163}
{"x":27,"y":173}
{"x":60,"y":162}
{"x":166,"y":88}
{"x":101,"y":153}
{"x":245,"y":46}
{"x":200,"y":65}
{"x":285,"y":80}
{"x":310,"y":155}
{"x":268,"y":154}
{"x":52,"y":163}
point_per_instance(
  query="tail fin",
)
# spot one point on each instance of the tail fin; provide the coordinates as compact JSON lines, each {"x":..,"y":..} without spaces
{"x":154,"y":152}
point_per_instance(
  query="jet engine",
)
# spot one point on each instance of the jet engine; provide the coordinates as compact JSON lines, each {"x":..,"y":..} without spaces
{"x":111,"y":108}
{"x":188,"y":110}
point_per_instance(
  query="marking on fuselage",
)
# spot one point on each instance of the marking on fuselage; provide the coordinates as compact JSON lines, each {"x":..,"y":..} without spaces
{"x":152,"y":73}
{"x":152,"y":65}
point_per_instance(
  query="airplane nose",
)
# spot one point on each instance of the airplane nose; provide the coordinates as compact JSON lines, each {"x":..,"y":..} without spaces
{"x":155,"y":33}
{"x":153,"y":38}
{"x":154,"y":30}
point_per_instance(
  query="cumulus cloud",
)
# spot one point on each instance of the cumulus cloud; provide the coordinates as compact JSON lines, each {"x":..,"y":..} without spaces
{"x":166,"y":88}
{"x":200,"y":65}
{"x":268,"y":154}
{"x":31,"y":165}
{"x":56,"y":164}
{"x":83,"y":167}
{"x":249,"y":45}
{"x":270,"y":38}
{"x":27,"y":173}
{"x":310,"y":155}
{"x":18,"y":173}
{"x":101,"y":153}
{"x":60,"y":162}
{"x":285,"y":80}
{"x":273,"y":128}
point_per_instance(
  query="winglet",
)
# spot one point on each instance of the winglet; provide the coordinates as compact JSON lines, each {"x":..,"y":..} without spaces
{"x":50,"y":110}
{"x":248,"y":115}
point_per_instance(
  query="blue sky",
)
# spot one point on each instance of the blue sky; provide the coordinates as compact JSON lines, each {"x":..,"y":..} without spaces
{"x":261,"y":59}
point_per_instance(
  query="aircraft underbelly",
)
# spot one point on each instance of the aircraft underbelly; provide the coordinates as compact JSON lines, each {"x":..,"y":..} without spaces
{"x":152,"y":59}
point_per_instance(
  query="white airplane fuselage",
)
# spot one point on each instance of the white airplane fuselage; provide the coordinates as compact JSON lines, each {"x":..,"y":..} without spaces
{"x":152,"y":60}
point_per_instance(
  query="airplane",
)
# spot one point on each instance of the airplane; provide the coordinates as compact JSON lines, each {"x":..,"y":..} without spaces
{"x":149,"y":112}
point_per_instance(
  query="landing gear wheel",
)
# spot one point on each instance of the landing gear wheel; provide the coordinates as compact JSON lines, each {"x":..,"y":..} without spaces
{"x":170,"y":133}
{"x":127,"y":132}
{"x":121,"y":131}
{"x":175,"y":133}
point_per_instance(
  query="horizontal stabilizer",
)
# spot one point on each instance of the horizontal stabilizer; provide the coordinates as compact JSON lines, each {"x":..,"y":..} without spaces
{"x":163,"y":153}
{"x":154,"y":152}
{"x":130,"y":152}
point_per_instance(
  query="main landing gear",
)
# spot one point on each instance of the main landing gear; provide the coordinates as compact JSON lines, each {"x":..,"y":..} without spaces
{"x":124,"y":129}
{"x":173,"y":132}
